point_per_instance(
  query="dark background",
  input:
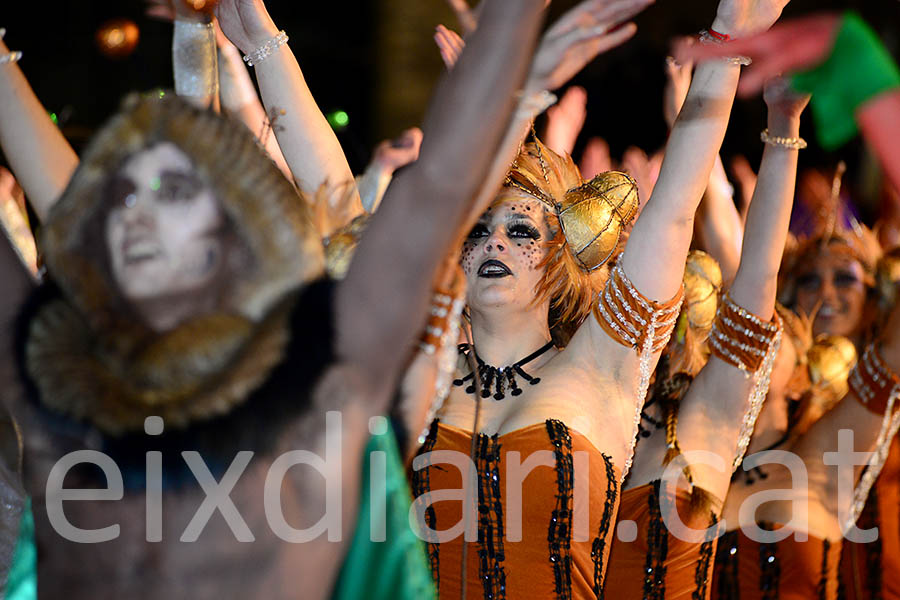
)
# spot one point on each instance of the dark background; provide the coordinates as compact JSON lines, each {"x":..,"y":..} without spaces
{"x":375,"y":59}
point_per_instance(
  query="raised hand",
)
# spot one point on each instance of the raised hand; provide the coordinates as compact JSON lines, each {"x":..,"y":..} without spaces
{"x":400,"y":151}
{"x":246,"y":23}
{"x":595,"y":159}
{"x":740,"y":18}
{"x":565,"y":120}
{"x":782,"y":100}
{"x":161,"y":10}
{"x":788,"y":47}
{"x":450,"y":45}
{"x":592,"y":27}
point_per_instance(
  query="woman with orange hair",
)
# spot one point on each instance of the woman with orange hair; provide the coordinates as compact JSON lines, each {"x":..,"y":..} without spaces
{"x":574,"y":409}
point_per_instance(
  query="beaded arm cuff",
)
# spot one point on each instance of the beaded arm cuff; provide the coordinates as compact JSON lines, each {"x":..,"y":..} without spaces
{"x":748,"y":343}
{"x":633,"y":320}
{"x":878,"y":389}
{"x":630,"y":318}
{"x":440,"y":336}
{"x":740,"y":338}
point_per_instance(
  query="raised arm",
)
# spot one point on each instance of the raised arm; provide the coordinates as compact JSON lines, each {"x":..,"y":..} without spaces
{"x":719,"y":226}
{"x":853,"y":79}
{"x":38,"y":154}
{"x":656,"y":251}
{"x":381,"y":304}
{"x":712,"y":414}
{"x":311,"y":149}
{"x":238,"y":98}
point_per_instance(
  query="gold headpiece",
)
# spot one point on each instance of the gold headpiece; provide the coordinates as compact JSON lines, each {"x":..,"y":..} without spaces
{"x":887,"y":279}
{"x":91,"y":359}
{"x":829,"y":234}
{"x":702,"y":283}
{"x":592,"y":214}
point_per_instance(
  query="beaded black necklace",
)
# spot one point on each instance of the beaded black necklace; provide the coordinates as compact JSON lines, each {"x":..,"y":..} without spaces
{"x":499,"y":378}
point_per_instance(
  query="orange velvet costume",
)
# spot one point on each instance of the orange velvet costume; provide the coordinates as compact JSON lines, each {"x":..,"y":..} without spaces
{"x":658,"y":565}
{"x":784,"y":570}
{"x":566,"y":525}
{"x":872,"y":571}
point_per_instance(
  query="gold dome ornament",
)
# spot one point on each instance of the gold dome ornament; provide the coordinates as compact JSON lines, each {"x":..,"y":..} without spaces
{"x":830,"y":361}
{"x":594,"y":215}
{"x":702,"y":283}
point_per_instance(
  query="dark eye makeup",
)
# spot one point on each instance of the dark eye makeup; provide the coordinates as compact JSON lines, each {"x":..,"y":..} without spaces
{"x":523,"y":229}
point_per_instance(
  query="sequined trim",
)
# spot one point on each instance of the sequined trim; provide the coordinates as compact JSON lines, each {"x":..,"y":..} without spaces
{"x":490,"y":518}
{"x":657,"y":550}
{"x":421,"y":486}
{"x":873,"y":550}
{"x":704,"y":565}
{"x":726,"y":566}
{"x":647,"y":327}
{"x":769,"y":569}
{"x":598,"y":547}
{"x":822,"y":587}
{"x":878,"y":389}
{"x":560,"y":532}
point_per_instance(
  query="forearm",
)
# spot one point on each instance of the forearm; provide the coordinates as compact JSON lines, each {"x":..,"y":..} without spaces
{"x":239,"y":99}
{"x":309,"y":145}
{"x":721,"y":229}
{"x":768,"y":219}
{"x":656,"y":251}
{"x":411,"y":233}
{"x":38,"y":154}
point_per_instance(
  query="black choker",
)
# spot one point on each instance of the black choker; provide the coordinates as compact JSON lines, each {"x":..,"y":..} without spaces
{"x":499,"y":379}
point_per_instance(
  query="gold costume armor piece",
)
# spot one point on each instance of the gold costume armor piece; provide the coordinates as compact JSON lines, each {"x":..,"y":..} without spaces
{"x":594,"y":214}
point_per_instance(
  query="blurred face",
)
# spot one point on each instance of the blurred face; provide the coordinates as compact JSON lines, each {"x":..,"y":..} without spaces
{"x":837,"y":282}
{"x":162,"y":232}
{"x":502,"y":254}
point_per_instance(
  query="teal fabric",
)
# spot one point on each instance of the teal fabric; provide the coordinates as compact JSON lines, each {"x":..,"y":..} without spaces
{"x":397,"y":568}
{"x":858,"y":68}
{"x":22,"y":581}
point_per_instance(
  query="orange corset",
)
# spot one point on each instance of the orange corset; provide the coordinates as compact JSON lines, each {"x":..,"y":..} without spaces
{"x":785,"y":570}
{"x":656,"y":564}
{"x":872,"y":571}
{"x":568,"y":505}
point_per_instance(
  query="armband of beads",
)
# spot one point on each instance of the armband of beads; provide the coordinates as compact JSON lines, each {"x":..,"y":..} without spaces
{"x":740,"y":338}
{"x":750,"y":344}
{"x":267,"y":49}
{"x":440,"y":337}
{"x":878,"y":389}
{"x":633,"y":320}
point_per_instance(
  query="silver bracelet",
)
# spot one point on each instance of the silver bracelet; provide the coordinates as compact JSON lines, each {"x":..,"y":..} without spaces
{"x":707,"y":38}
{"x":793,"y":143}
{"x":266,"y":50}
{"x":13,"y":56}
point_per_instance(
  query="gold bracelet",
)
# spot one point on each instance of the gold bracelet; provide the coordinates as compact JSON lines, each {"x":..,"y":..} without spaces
{"x":794,"y":143}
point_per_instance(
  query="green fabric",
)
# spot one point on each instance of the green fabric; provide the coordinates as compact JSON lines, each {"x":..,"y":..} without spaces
{"x":398,"y":567}
{"x":857,"y":69}
{"x":22,"y":581}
